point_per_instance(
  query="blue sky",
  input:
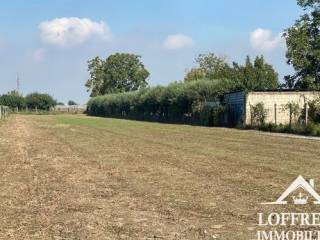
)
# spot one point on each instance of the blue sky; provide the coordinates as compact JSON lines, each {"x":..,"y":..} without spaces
{"x":49,"y":42}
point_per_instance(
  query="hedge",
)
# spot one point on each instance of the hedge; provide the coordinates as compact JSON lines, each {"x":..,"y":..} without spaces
{"x":178,"y":102}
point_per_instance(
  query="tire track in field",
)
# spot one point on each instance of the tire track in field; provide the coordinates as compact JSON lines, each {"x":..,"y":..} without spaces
{"x":15,"y":181}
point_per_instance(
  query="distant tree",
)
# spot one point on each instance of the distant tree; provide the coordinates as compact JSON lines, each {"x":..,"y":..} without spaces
{"x":41,"y":101}
{"x":303,"y":43}
{"x":72,"y":103}
{"x":213,"y":67}
{"x":120,"y":72}
{"x":194,"y":74}
{"x":258,"y":75}
{"x":250,"y":76}
{"x":12,"y":99}
{"x":60,"y":103}
{"x":289,"y":82}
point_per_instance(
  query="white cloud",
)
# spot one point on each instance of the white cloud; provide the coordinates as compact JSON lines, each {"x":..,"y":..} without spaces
{"x":263,"y":40}
{"x":72,"y":31}
{"x":39,"y":55}
{"x":177,"y":41}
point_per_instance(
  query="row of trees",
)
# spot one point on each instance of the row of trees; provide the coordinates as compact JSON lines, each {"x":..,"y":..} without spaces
{"x":118,"y":86}
{"x":124,"y":72}
{"x":41,"y":101}
{"x":178,"y":102}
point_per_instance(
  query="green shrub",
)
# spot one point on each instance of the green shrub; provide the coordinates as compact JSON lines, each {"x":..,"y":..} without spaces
{"x":258,"y":114}
{"x":311,"y":129}
{"x":294,"y":112}
{"x":314,"y":110}
{"x":178,"y":102}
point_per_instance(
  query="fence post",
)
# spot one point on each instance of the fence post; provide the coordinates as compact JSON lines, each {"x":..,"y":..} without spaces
{"x":290,"y":116}
{"x":275,"y":114}
{"x":251,"y":120}
{"x":307,"y":113}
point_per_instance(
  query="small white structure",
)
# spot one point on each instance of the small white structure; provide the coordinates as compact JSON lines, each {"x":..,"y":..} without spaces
{"x":70,"y":109}
{"x":239,"y":105}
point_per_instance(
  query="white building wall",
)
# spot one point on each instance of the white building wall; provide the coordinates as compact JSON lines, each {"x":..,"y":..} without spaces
{"x":274,"y":103}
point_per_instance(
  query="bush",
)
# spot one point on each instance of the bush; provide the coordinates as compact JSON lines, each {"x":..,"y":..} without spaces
{"x":41,"y":101}
{"x":178,"y":102}
{"x":314,"y":110}
{"x":294,"y":112}
{"x":311,"y":129}
{"x":258,"y":114}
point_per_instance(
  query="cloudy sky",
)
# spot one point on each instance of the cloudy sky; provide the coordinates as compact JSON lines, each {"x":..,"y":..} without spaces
{"x":49,"y":42}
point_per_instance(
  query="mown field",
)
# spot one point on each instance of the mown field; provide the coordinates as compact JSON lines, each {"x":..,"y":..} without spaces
{"x":79,"y":177}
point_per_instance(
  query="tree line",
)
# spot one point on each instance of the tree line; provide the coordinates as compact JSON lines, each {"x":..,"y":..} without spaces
{"x":119,"y":83}
{"x":41,"y":101}
{"x":178,"y":102}
{"x":123,"y":72}
{"x":118,"y":86}
{"x":15,"y":100}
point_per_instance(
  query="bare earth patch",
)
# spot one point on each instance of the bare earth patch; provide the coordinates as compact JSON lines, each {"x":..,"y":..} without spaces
{"x":77,"y":177}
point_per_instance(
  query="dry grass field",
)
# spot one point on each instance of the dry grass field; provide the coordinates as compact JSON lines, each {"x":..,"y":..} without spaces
{"x":79,"y":177}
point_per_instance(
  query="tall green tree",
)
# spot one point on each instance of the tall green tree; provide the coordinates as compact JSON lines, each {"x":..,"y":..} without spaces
{"x":256,"y":75}
{"x":120,"y":72}
{"x":303,"y":43}
{"x":250,"y":76}
{"x":213,"y":66}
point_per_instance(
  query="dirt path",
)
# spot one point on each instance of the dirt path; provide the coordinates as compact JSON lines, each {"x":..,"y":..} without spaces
{"x":34,"y":188}
{"x":41,"y":187}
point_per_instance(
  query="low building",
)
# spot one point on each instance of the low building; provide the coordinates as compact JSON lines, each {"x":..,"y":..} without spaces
{"x":69,"y":109}
{"x":239,"y":105}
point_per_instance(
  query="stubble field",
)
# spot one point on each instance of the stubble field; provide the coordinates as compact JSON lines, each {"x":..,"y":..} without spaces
{"x":79,"y":177}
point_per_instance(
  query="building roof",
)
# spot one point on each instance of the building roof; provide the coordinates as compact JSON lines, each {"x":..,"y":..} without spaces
{"x":276,"y":90}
